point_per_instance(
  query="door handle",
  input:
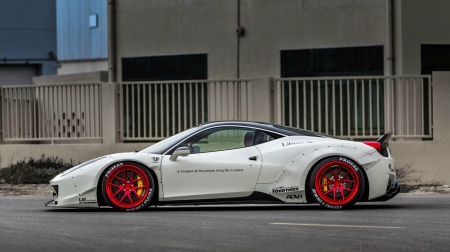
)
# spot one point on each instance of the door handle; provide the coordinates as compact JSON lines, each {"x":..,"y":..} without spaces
{"x":253,"y":158}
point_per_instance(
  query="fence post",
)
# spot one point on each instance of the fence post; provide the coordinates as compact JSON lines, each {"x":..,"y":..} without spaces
{"x":263,"y":102}
{"x":110,"y":113}
{"x":441,"y":104}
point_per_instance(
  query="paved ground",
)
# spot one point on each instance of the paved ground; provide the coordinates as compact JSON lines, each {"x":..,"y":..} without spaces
{"x":406,"y":223}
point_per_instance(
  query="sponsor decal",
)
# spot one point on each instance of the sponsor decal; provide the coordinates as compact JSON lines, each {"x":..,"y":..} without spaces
{"x":155,"y":159}
{"x":282,"y":189}
{"x":86,"y":201}
{"x":293,"y":196}
{"x":350,"y":163}
{"x":295,"y":143}
{"x":209,"y":171}
{"x":149,"y":197}
{"x":112,"y":168}
{"x":323,"y":203}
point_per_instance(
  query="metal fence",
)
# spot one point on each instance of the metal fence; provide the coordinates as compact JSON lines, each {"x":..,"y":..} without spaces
{"x":51,"y":112}
{"x":230,"y":100}
{"x":357,"y":107}
{"x":349,"y":107}
{"x":157,"y":110}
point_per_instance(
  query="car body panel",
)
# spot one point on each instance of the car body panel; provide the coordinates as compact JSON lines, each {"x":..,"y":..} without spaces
{"x":221,"y":174}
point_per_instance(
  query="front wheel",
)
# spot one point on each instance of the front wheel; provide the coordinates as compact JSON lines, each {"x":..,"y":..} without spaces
{"x":128,"y":186}
{"x":337,"y":183}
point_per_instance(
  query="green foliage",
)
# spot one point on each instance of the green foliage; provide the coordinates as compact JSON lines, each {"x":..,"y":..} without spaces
{"x":34,"y":171}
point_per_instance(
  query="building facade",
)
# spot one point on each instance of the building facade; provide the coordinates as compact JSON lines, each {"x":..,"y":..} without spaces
{"x":280,"y":38}
{"x":82,"y":36}
{"x":27,"y":40}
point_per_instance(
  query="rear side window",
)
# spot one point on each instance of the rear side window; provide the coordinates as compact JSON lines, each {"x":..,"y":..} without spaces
{"x":264,"y":137}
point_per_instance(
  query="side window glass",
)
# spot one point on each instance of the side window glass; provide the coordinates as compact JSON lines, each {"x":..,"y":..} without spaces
{"x":220,"y":139}
{"x":263,"y":137}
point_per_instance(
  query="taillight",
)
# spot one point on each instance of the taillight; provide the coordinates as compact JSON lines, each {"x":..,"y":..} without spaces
{"x":375,"y":145}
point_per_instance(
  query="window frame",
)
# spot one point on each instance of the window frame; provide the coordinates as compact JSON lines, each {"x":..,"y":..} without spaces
{"x":171,"y":150}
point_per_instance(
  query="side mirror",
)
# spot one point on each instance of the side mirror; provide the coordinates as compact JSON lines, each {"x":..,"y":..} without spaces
{"x":181,"y":151}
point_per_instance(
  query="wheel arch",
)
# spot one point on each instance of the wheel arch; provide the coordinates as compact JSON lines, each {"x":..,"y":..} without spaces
{"x":100,"y":198}
{"x":310,"y":198}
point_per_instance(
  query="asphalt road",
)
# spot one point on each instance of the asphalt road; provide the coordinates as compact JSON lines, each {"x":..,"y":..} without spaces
{"x":406,"y":223}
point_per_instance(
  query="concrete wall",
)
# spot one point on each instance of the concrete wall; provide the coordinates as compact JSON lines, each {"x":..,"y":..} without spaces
{"x":272,"y":26}
{"x":153,"y":28}
{"x":421,"y":23}
{"x":74,"y":67}
{"x":427,"y":161}
{"x":201,"y":26}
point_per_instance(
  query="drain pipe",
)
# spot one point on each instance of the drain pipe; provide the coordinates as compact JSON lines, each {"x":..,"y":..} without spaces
{"x":389,"y":67}
{"x":238,"y":39}
{"x":389,"y":39}
{"x":111,"y":42}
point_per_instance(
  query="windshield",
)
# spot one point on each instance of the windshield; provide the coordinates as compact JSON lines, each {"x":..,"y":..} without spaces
{"x":160,"y":147}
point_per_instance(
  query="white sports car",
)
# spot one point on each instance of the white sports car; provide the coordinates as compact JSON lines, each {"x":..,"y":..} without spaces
{"x":234,"y":162}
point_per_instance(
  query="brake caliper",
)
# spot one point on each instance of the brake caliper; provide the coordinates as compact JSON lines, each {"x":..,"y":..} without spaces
{"x":140,"y":183}
{"x":324,"y":183}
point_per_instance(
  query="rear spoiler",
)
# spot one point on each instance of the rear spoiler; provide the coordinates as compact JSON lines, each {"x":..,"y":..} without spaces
{"x":384,"y":143}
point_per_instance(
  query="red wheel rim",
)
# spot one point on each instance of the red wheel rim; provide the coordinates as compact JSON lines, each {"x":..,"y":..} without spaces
{"x":127,"y":186}
{"x":336,"y":183}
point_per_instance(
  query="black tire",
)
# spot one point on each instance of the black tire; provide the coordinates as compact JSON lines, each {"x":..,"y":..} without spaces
{"x":337,"y":183}
{"x":128,"y":186}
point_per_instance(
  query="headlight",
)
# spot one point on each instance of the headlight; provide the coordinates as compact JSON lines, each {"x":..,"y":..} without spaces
{"x":80,"y":165}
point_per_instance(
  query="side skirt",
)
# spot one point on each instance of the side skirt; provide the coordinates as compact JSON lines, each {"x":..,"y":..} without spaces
{"x":254,"y":198}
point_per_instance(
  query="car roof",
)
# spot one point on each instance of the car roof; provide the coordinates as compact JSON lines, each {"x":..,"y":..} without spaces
{"x":288,"y":131}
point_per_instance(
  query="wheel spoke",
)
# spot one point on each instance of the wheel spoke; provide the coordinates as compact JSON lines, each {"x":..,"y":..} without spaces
{"x":346,"y":174}
{"x":119,"y":178}
{"x":132,"y":181}
{"x":131,"y":200}
{"x":327,"y":192}
{"x":347,"y":181}
{"x":329,"y":183}
{"x":115,"y":194}
{"x":341,"y":190}
{"x":347,"y":189}
{"x":132,"y":175}
{"x":123,"y":197}
{"x":111,"y":184}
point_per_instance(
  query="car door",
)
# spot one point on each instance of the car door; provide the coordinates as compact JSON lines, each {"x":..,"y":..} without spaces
{"x":223,"y":163}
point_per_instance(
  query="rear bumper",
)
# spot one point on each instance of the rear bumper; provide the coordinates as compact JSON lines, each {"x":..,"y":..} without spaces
{"x":391,"y":192}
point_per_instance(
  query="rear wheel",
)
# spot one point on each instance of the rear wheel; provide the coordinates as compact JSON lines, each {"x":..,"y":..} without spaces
{"x":128,"y":186}
{"x":337,"y":183}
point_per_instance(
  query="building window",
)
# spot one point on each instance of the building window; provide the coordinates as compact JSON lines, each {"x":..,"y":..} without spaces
{"x":349,"y":61}
{"x":177,"y":67}
{"x":307,"y":101}
{"x":433,"y":58}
